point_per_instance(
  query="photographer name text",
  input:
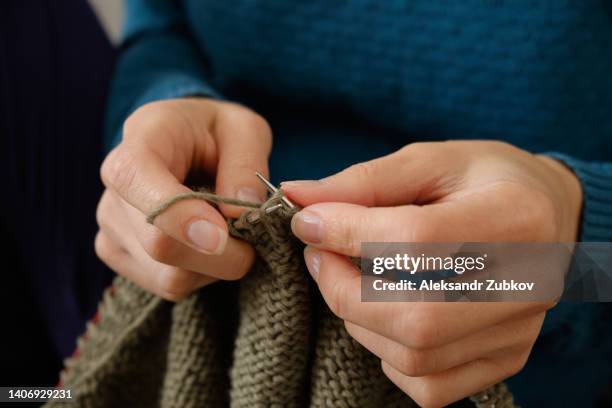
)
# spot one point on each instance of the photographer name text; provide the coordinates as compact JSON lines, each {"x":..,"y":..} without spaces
{"x":445,"y":285}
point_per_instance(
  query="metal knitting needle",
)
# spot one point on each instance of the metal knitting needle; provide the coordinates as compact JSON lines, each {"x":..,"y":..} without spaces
{"x":273,"y":190}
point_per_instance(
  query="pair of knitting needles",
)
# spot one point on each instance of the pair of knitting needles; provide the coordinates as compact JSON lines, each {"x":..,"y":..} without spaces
{"x":285,"y":202}
{"x":273,"y":190}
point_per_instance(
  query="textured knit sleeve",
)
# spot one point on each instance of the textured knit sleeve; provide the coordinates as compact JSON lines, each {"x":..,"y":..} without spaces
{"x":596,"y":180}
{"x":158,"y":60}
{"x":582,"y":324}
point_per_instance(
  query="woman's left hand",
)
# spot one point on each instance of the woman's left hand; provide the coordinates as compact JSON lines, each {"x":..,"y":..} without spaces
{"x":469,"y":191}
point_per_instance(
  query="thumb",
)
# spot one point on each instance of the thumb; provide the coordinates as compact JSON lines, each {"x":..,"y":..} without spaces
{"x":410,"y":175}
{"x":244,"y":142}
{"x":142,"y":178}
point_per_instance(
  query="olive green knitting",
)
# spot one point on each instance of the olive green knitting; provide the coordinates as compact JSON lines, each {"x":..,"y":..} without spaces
{"x":267,"y":340}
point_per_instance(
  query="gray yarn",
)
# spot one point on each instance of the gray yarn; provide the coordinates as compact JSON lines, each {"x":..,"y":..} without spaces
{"x":199,"y":195}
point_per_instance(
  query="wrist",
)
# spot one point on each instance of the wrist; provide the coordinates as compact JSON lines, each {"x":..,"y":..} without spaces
{"x":572,"y":196}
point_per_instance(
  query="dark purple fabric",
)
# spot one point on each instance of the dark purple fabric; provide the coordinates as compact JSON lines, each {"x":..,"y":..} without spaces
{"x":55,"y":65}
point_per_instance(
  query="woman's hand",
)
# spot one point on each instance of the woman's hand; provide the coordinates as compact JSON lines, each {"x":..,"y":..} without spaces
{"x":472,"y":191}
{"x":164,"y":143}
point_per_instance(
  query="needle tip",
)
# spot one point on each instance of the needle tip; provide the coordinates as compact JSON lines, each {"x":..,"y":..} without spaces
{"x":273,"y":189}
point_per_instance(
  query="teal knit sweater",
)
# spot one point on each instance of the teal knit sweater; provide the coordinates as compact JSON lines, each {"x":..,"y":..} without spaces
{"x":345,"y":81}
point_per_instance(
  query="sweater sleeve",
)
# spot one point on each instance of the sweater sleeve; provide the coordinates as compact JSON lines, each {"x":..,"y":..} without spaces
{"x":581,"y":322}
{"x":158,"y":60}
{"x":596,"y":181}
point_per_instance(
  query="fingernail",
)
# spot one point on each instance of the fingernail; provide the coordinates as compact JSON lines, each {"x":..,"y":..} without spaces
{"x":207,"y":237}
{"x":313,"y":262}
{"x":300,"y":183}
{"x":249,"y":194}
{"x":308,"y":226}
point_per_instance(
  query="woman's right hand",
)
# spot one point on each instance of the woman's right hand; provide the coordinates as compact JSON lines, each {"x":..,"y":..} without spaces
{"x":164,"y":143}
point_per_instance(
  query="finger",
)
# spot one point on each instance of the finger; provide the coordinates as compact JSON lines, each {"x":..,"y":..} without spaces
{"x":119,"y":249}
{"x":342,"y":228}
{"x":233,"y":264}
{"x":168,"y":282}
{"x":143,"y":179}
{"x":244,"y":141}
{"x":416,"y":363}
{"x":418,"y":173}
{"x":452,"y":385}
{"x":413,"y":324}
{"x":123,"y":223}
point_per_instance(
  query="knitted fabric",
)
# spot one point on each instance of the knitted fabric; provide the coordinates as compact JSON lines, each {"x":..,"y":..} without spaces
{"x":266,"y":341}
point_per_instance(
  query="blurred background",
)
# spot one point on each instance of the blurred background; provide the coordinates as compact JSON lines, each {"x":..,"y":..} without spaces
{"x":109,"y":13}
{"x":56,"y":60}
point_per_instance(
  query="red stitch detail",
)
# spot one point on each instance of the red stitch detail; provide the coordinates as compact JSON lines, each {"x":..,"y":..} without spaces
{"x":96,"y":318}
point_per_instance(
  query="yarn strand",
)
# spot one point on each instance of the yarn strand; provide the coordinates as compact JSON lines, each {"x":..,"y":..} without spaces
{"x":198,"y":195}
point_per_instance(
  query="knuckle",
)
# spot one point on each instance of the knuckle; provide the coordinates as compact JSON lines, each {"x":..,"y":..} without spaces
{"x":148,"y":117}
{"x":101,"y":211}
{"x":231,"y":112}
{"x":430,"y":151}
{"x":414,"y":148}
{"x":337,"y":299}
{"x":501,"y":145}
{"x":101,"y":247}
{"x":100,"y":219}
{"x":257,"y":122}
{"x":343,"y":232}
{"x":260,"y":129}
{"x":118,"y":170}
{"x":239,"y":113}
{"x":107,"y":251}
{"x":413,"y":363}
{"x":430,"y":402}
{"x":516,"y":365}
{"x":537,"y":215}
{"x":419,"y":327}
{"x":364,"y":170}
{"x":256,"y":129}
{"x":423,"y":335}
{"x":428,"y":395}
{"x":543,"y":216}
{"x":134,"y":122}
{"x":174,"y":284}
{"x":160,"y":247}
